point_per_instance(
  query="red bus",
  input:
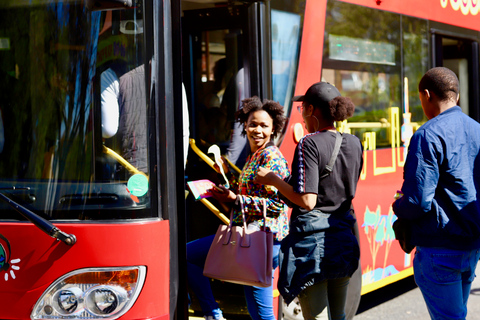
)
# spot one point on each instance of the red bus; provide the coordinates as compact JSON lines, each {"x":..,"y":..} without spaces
{"x":95,"y":213}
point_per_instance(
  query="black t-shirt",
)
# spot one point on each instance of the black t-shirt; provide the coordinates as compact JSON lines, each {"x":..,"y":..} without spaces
{"x":336,"y":191}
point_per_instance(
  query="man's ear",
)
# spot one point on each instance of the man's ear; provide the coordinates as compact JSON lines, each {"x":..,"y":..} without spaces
{"x":427,"y":94}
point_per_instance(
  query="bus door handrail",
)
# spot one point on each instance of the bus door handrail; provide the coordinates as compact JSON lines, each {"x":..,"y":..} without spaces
{"x":211,"y":163}
{"x":215,"y":211}
{"x":122,"y":161}
{"x":207,"y":159}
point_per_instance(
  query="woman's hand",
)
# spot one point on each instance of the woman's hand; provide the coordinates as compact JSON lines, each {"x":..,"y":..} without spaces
{"x":225,"y":195}
{"x":268,"y":177}
{"x":265,"y":176}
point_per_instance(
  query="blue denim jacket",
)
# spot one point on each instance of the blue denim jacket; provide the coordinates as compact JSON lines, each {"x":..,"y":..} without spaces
{"x":319,"y":246}
{"x":442,"y":183}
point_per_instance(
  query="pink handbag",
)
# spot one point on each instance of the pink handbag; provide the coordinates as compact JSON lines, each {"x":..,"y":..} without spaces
{"x":241,"y":256}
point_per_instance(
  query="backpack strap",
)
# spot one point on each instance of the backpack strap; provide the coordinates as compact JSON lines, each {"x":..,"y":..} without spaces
{"x":329,"y":167}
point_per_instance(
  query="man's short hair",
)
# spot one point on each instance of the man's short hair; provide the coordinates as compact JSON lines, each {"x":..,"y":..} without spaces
{"x":441,"y":81}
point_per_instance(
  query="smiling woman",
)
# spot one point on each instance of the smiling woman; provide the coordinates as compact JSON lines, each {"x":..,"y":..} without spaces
{"x":259,"y":129}
{"x":261,"y":121}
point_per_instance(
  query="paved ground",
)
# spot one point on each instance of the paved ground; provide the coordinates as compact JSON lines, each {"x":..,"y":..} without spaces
{"x":410,"y":304}
{"x":399,"y":301}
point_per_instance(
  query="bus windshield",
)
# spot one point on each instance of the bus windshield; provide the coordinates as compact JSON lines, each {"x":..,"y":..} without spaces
{"x":73,"y":111}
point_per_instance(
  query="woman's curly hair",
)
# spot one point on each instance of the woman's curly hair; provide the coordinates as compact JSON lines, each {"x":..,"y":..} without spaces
{"x":274,"y":110}
{"x":339,"y":109}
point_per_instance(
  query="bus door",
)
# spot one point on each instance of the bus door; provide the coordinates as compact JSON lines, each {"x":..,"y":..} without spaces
{"x":225,"y":59}
{"x":457,"y":49}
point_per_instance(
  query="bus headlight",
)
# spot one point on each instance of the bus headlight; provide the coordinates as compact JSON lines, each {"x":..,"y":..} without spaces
{"x":92,"y":293}
{"x":68,"y":300}
{"x":104,"y":300}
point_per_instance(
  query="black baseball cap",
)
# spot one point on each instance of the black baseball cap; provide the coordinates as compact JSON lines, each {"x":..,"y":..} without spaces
{"x":319,"y":93}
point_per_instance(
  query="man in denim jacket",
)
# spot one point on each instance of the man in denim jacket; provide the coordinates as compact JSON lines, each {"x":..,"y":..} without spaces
{"x":440,"y":197}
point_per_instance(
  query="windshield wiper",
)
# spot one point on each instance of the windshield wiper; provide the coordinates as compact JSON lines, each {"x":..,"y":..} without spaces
{"x":44,"y":225}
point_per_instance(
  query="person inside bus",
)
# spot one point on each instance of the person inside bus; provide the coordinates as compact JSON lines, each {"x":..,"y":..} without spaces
{"x":124,"y":99}
{"x":440,"y":197}
{"x":124,"y":115}
{"x":214,"y":127}
{"x":261,"y":122}
{"x":238,"y":148}
{"x":218,"y":124}
{"x":321,"y":252}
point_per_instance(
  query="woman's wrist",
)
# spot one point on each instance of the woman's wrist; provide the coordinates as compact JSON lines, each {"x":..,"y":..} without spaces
{"x":232,"y":196}
{"x":274,"y":179}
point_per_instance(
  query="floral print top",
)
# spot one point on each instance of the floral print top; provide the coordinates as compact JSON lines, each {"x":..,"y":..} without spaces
{"x":253,"y":194}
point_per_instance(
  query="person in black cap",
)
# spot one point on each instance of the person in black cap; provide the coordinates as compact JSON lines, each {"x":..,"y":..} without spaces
{"x":321,"y":252}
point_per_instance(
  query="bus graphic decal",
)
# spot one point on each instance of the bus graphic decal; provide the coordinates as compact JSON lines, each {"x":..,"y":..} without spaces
{"x":465,"y":6}
{"x":5,"y":255}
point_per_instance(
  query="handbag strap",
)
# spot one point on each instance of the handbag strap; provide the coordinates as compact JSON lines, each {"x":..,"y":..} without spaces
{"x":264,"y":213}
{"x":242,"y":208}
{"x":228,"y":231}
{"x":245,"y":243}
{"x":264,"y":210}
{"x":329,"y":167}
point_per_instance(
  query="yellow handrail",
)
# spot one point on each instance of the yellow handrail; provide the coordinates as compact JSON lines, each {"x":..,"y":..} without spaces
{"x":122,"y":161}
{"x":207,"y":159}
{"x":233,"y":166}
{"x":202,"y":155}
{"x":211,"y":163}
{"x":215,"y":211}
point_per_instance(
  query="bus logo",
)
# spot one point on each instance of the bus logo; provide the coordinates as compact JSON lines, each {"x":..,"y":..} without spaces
{"x":5,"y":255}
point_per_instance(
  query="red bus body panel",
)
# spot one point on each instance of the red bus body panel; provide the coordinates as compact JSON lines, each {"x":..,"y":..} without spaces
{"x":44,"y":259}
{"x":460,"y":13}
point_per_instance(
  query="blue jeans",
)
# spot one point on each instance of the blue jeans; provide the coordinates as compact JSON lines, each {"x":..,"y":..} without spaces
{"x":445,"y":276}
{"x":259,"y":300}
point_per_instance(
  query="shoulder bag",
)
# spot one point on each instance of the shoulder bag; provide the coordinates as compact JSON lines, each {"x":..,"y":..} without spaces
{"x":403,"y":233}
{"x":241,"y":256}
